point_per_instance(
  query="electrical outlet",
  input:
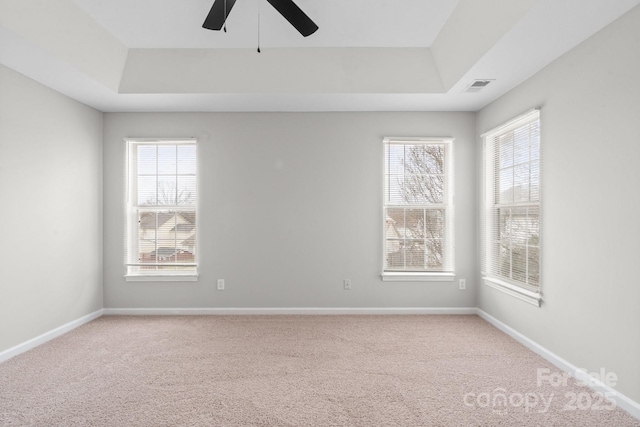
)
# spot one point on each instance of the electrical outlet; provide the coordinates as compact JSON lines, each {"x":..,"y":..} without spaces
{"x":462,"y":284}
{"x":221,"y":284}
{"x":347,"y":284}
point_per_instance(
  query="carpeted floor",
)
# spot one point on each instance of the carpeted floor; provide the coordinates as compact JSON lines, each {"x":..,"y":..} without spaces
{"x":292,"y":371}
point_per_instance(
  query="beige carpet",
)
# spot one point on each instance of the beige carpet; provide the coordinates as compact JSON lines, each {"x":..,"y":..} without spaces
{"x":290,"y":371}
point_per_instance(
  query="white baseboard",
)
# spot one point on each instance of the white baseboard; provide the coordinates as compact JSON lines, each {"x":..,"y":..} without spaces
{"x":47,"y":336}
{"x":286,"y":310}
{"x":622,"y":401}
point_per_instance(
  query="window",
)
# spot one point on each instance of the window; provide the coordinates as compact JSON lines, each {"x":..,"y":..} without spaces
{"x":161,"y":210}
{"x":512,"y":209}
{"x":418,"y":209}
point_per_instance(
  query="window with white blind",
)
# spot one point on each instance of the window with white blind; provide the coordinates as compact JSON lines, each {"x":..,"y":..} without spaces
{"x":512,"y":208}
{"x":418,"y":209}
{"x":161,"y":200}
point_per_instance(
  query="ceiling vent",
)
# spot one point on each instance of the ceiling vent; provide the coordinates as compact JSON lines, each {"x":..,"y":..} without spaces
{"x":478,"y":85}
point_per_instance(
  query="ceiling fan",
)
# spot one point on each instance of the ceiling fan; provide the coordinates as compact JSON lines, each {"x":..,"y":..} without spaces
{"x":287,"y":8}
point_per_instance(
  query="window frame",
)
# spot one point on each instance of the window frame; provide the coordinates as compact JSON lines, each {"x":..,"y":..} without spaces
{"x":448,"y":272}
{"x":131,"y":207}
{"x":515,"y":288}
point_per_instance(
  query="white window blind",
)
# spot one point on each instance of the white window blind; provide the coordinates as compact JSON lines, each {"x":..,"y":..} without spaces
{"x":161,"y":200}
{"x":512,"y":208}
{"x":418,"y":206}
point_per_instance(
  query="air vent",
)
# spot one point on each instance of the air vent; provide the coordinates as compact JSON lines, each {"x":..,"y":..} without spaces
{"x":478,"y":85}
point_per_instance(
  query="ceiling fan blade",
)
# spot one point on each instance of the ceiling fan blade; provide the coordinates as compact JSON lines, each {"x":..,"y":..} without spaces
{"x":217,"y":16}
{"x":296,"y":17}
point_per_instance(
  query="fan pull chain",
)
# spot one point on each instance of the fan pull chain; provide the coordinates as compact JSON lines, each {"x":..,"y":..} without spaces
{"x":225,"y":16}
{"x":258,"y":26}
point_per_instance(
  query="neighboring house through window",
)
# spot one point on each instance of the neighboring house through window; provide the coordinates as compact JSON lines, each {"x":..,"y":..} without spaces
{"x":512,"y":208}
{"x":418,"y":209}
{"x":161,"y":205}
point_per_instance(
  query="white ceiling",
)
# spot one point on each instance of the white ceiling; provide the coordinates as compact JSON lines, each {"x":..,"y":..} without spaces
{"x":368,"y":55}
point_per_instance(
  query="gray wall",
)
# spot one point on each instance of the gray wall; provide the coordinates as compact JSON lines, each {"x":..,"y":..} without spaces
{"x":51,"y":216}
{"x":290,"y":205}
{"x":590,"y":111}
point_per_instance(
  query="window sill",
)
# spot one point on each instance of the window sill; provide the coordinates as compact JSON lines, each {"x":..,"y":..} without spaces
{"x":388,"y":276}
{"x":162,"y":278}
{"x":531,"y":297}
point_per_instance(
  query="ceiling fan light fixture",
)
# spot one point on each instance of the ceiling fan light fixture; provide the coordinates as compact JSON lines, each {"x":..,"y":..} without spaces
{"x":287,"y":8}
